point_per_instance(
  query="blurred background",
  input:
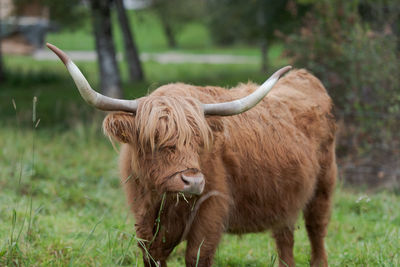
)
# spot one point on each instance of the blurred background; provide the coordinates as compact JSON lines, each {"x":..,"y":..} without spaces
{"x":55,"y":163}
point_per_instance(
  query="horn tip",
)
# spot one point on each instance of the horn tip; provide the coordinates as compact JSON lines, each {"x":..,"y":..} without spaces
{"x":283,"y":70}
{"x":61,"y":54}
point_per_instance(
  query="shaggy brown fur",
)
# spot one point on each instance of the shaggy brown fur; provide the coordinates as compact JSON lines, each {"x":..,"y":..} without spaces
{"x":266,"y":165}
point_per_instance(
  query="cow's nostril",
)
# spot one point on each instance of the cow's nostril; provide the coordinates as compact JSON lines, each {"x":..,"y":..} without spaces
{"x":186,"y":182}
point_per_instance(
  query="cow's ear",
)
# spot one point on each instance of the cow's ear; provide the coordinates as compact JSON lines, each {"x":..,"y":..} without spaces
{"x":120,"y":126}
{"x":216,"y":124}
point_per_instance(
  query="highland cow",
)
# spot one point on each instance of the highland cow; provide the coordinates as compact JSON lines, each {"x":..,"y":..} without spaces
{"x":196,"y":162}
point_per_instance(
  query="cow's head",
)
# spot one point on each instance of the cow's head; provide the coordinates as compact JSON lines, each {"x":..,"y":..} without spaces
{"x":167,"y":134}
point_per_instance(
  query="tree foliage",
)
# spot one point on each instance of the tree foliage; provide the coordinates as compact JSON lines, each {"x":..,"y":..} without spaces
{"x":68,"y":13}
{"x":357,"y":57}
{"x":251,"y":21}
{"x":174,"y":14}
{"x":255,"y":21}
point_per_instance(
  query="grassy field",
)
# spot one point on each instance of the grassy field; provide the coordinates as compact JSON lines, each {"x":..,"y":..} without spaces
{"x":61,"y":203}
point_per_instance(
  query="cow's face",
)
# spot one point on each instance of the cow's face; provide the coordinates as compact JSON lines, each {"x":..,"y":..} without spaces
{"x":167,"y":135}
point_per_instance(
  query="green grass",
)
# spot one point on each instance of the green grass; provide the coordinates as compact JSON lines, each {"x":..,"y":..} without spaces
{"x":62,"y":204}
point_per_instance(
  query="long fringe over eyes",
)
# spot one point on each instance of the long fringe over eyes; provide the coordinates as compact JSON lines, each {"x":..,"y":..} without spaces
{"x":170,"y":121}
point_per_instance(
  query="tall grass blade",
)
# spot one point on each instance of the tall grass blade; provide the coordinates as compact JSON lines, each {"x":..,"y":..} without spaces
{"x":198,"y":253}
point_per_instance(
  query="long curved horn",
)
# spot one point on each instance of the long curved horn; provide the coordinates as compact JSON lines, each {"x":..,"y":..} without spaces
{"x":88,"y":94}
{"x":243,"y":104}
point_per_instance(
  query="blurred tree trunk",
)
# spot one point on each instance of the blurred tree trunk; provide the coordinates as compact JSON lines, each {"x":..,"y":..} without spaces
{"x":168,"y":31}
{"x":131,"y":52}
{"x":109,"y":72}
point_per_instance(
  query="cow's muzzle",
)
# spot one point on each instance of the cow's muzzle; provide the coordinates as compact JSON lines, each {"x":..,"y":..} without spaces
{"x":193,"y":182}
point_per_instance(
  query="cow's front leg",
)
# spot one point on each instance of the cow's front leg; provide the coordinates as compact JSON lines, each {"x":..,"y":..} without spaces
{"x":147,"y":262}
{"x":162,"y":230}
{"x":152,"y":263}
{"x":205,"y":247}
{"x":155,"y":248}
{"x":155,"y":254}
{"x":205,"y":232}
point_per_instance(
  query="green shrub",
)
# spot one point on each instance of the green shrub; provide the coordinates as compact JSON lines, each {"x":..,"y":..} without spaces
{"x":352,"y":46}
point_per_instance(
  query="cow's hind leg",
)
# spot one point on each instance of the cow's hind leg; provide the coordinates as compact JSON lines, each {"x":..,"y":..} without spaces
{"x":317,"y":215}
{"x":284,"y":243}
